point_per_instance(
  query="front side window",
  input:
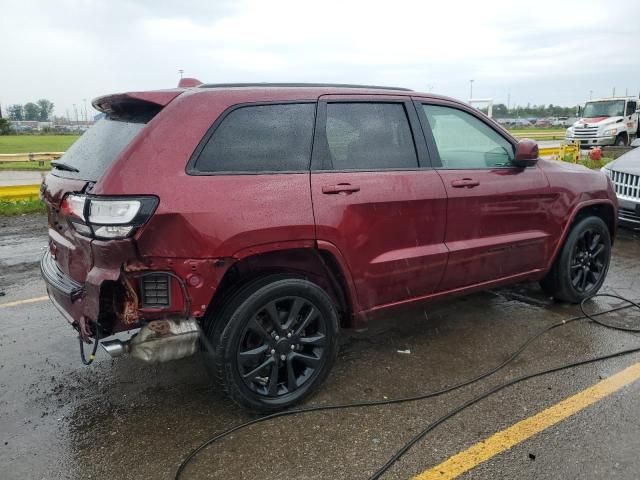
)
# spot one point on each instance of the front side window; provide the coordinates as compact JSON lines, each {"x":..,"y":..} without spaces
{"x":368,"y":136}
{"x":465,"y":142}
{"x":261,"y":138}
{"x":631,"y":108}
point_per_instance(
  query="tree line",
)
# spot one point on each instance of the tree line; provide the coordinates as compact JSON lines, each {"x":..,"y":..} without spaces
{"x":500,"y":110}
{"x":40,"y":111}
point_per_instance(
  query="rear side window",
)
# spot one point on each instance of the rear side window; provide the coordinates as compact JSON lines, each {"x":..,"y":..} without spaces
{"x":261,"y":138}
{"x":366,"y":136}
{"x":94,"y":151}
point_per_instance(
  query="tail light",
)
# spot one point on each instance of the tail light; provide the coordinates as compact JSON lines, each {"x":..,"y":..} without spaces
{"x":107,"y":217}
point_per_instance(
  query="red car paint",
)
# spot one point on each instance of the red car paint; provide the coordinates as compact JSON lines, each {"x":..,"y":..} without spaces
{"x":375,"y":239}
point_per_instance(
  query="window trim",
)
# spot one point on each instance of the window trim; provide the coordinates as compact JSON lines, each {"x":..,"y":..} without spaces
{"x":431,"y":141}
{"x":191,"y":169}
{"x":320,"y":142}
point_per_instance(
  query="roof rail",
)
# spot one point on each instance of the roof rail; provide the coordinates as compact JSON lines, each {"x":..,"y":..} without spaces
{"x":295,"y":85}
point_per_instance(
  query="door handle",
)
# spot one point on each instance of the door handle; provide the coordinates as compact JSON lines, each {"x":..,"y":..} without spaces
{"x":345,"y":188}
{"x":465,"y":183}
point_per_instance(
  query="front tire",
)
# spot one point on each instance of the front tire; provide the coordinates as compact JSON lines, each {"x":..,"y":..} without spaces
{"x":621,"y":141}
{"x":583,"y":263}
{"x":275,"y":342}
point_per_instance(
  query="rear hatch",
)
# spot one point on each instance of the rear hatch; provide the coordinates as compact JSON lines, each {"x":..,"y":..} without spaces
{"x":126,"y":115}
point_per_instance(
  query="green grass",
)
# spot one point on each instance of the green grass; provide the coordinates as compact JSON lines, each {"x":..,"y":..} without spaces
{"x":538,"y":133}
{"x":21,"y":207}
{"x":533,"y":128}
{"x":587,"y":162}
{"x":25,"y":166}
{"x":36,"y":143}
{"x":540,"y":130}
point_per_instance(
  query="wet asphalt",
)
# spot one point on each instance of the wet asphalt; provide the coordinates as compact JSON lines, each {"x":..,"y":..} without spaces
{"x":120,"y":418}
{"x":19,"y":177}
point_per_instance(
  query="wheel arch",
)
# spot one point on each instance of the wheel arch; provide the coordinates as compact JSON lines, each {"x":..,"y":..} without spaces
{"x":603,"y":209}
{"x":624,"y":135}
{"x":319,"y":264}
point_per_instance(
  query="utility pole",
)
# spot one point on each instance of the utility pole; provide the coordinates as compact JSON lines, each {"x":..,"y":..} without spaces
{"x":590,"y":94}
{"x":614,"y":92}
{"x":508,"y":100}
{"x":180,"y":72}
{"x":86,"y":118}
{"x":76,"y":113}
{"x":470,"y":89}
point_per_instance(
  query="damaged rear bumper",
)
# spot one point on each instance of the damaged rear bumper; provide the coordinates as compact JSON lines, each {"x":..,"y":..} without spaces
{"x":162,"y":338}
{"x":57,"y":279}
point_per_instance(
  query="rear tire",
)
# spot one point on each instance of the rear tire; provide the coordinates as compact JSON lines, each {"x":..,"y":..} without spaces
{"x":621,"y":141}
{"x":583,"y":263}
{"x":275,"y":342}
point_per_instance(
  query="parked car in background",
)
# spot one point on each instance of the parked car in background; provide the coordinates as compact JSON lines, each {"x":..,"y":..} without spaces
{"x":625,"y":175}
{"x":570,"y":121}
{"x":543,"y":122}
{"x":254,"y":221}
{"x":521,"y":122}
{"x":559,"y":122}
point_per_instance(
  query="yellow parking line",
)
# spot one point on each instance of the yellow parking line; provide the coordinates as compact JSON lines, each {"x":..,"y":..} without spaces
{"x":527,"y":428}
{"x":21,"y":302}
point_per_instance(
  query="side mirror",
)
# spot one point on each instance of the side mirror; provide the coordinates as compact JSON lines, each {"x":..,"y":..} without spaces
{"x":526,"y":153}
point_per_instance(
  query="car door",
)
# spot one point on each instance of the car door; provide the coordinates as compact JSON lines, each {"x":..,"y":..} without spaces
{"x":498,"y":215}
{"x":375,"y":197}
{"x":631,"y":116}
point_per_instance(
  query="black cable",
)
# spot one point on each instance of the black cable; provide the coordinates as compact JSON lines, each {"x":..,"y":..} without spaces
{"x":481,"y":376}
{"x":96,"y":341}
{"x":608,"y":325}
{"x":488,"y":393}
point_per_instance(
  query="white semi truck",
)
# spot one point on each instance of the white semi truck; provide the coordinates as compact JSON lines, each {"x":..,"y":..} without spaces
{"x":606,"y":121}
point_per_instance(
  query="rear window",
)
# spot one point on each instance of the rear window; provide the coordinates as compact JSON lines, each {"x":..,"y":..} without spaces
{"x":260,"y":138}
{"x":94,"y":151}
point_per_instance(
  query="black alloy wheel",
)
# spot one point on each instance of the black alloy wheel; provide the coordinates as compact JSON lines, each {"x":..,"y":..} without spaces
{"x":273,"y":342}
{"x":282,"y":347}
{"x":581,"y":267}
{"x":588,"y":262}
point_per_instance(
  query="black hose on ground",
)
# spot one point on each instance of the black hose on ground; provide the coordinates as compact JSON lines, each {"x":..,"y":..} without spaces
{"x":92,"y":355}
{"x":442,"y":419}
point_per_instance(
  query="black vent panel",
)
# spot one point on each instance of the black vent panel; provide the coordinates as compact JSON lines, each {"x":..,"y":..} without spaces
{"x":156,"y":290}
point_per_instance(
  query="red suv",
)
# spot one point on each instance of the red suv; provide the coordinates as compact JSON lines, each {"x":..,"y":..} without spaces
{"x":253,"y":221}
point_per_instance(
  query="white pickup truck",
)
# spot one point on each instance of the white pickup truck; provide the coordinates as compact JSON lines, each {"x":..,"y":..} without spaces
{"x":606,"y":121}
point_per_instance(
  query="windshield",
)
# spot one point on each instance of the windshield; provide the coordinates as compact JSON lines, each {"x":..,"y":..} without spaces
{"x":94,"y":151}
{"x":613,"y":108}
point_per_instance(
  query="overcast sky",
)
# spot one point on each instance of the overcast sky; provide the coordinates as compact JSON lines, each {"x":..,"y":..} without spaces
{"x":547,"y":51}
